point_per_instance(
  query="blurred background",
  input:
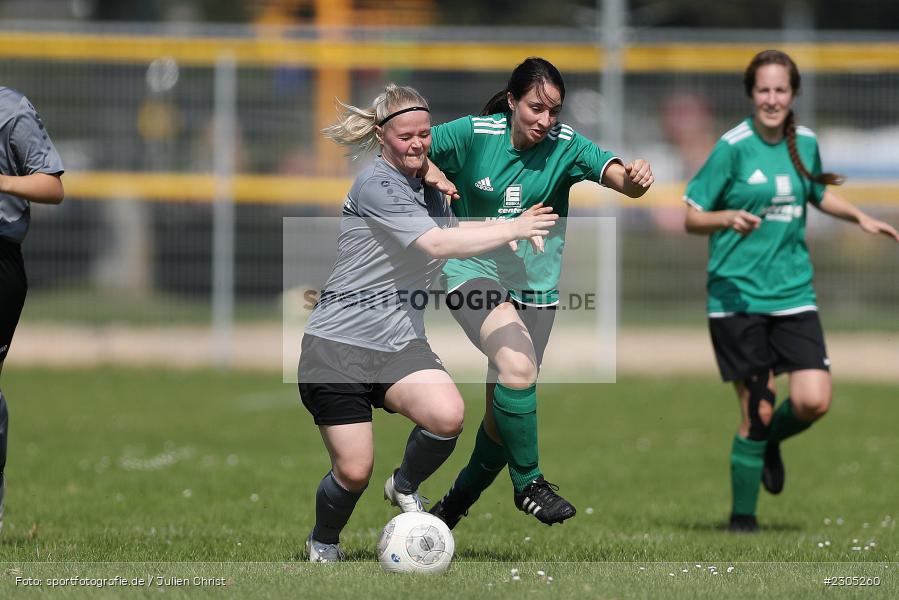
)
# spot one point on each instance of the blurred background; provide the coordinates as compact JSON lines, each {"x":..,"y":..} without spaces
{"x":189,"y":129}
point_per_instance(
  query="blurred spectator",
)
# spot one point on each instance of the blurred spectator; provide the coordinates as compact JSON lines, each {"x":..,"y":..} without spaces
{"x":688,"y":124}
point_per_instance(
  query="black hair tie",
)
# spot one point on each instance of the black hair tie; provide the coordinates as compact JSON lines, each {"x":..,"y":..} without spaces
{"x":399,"y":112}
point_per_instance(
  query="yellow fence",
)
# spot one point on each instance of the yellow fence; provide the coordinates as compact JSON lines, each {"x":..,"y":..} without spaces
{"x":272,"y":189}
{"x":437,"y":56}
{"x":418,"y":55}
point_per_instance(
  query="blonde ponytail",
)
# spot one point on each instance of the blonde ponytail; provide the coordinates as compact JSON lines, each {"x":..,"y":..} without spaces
{"x":355,"y":128}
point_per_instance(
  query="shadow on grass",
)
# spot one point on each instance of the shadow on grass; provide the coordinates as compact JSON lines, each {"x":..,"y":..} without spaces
{"x":722,"y":526}
{"x":498,"y":556}
{"x":473,"y":555}
{"x":351,"y":556}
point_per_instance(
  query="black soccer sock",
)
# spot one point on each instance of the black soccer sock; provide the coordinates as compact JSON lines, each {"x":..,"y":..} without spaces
{"x":425,"y":452}
{"x":333,"y":506}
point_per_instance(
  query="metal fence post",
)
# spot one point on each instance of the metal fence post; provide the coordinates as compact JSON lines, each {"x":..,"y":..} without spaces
{"x":799,"y":27}
{"x":610,"y":34}
{"x":225,"y":129}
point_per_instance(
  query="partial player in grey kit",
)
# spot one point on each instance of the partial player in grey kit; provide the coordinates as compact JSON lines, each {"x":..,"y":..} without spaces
{"x":364,"y":345}
{"x":30,"y":170}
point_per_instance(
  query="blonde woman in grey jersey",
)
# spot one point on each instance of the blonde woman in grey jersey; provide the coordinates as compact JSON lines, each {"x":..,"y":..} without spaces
{"x":30,"y":170}
{"x":364,"y":345}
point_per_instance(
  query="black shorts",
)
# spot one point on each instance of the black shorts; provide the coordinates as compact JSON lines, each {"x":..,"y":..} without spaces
{"x":13,"y":287}
{"x":748,"y":343}
{"x":471,"y":302}
{"x":340,"y":383}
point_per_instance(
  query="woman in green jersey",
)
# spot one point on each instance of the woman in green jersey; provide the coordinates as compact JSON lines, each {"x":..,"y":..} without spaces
{"x":513,"y":156}
{"x":751,"y":197}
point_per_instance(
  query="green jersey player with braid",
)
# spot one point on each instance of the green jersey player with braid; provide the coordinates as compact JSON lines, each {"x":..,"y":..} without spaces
{"x":751,"y":198}
{"x":513,"y":156}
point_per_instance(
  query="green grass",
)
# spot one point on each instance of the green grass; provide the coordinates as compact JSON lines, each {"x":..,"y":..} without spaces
{"x":132,"y":473}
{"x":88,"y":307}
{"x":82,"y":306}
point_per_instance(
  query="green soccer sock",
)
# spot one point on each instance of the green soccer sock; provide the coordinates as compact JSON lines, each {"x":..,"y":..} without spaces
{"x":487,"y":459}
{"x":746,"y":460}
{"x":785,"y":424}
{"x":515,"y":412}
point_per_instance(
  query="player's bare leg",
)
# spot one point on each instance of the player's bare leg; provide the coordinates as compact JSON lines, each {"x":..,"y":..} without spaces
{"x":431,"y":400}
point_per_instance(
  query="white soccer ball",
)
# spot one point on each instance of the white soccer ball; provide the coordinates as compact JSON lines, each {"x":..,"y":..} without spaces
{"x":416,"y":542}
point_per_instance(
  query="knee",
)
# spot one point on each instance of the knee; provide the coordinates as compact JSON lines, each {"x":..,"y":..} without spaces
{"x":353,"y":475}
{"x":445,"y":414}
{"x":517,"y":371}
{"x":811,"y":407}
{"x":448,"y":423}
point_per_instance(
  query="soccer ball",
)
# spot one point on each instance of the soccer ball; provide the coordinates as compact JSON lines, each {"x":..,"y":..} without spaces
{"x":416,"y":542}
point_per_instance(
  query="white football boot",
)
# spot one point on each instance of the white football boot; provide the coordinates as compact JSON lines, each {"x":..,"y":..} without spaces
{"x":406,"y":502}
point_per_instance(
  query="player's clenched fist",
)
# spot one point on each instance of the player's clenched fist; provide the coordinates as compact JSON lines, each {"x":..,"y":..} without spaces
{"x":639,"y":173}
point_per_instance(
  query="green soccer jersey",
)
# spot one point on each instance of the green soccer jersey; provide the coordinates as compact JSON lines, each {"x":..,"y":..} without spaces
{"x":767,"y":271}
{"x":496,"y":181}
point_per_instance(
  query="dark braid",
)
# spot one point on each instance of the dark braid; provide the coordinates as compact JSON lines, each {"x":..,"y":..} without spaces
{"x":776,"y":57}
{"x":790,"y":135}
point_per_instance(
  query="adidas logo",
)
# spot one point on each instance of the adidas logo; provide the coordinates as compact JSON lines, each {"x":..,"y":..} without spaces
{"x":484,"y":184}
{"x":757,"y":177}
{"x":531,"y":506}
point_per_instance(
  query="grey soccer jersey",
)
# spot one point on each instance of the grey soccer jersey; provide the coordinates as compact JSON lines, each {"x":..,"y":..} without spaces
{"x":25,"y":149}
{"x":377,"y":292}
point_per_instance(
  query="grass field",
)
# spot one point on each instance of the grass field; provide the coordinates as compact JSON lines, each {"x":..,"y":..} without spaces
{"x":88,"y":307}
{"x":202,"y":474}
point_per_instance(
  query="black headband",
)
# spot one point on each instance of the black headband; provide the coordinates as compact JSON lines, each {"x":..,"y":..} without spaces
{"x":399,"y":112}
